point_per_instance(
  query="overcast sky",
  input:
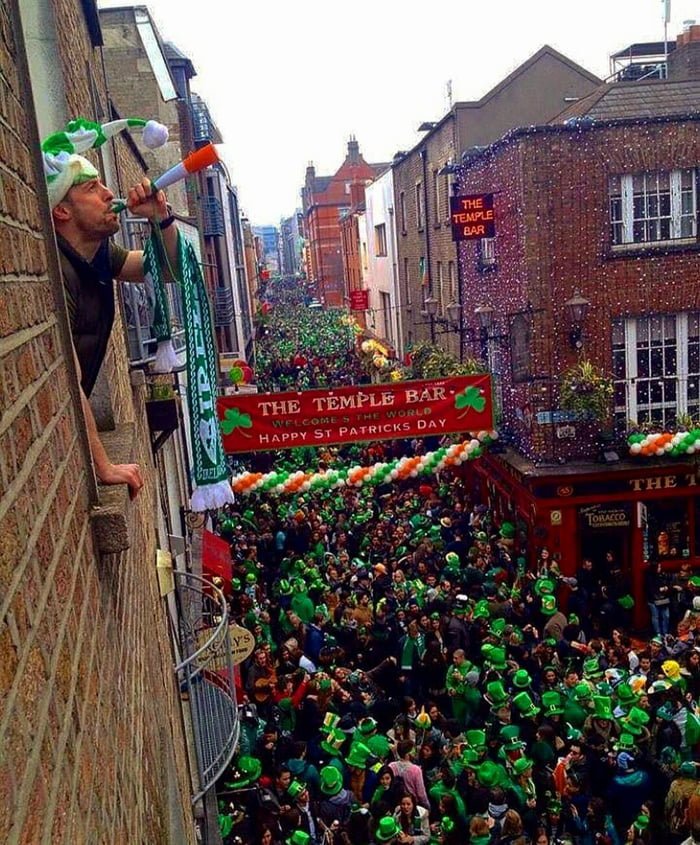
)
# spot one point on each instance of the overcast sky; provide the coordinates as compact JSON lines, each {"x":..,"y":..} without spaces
{"x":288,"y":82}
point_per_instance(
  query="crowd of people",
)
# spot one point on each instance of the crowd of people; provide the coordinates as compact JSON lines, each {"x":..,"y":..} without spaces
{"x":423,"y":674}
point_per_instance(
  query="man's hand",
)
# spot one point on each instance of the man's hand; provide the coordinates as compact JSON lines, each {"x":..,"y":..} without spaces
{"x":122,"y":474}
{"x":142,"y":202}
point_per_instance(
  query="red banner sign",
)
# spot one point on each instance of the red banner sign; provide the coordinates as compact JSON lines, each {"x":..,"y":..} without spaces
{"x":216,"y":558}
{"x":261,"y":421}
{"x":359,"y":300}
{"x":472,"y":217}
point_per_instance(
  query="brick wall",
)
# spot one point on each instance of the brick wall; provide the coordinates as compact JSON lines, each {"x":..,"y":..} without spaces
{"x":90,"y":741}
{"x":553,"y":238}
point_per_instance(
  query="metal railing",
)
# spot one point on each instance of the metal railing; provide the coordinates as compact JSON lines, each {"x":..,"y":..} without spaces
{"x":212,"y":216}
{"x":205,"y":674}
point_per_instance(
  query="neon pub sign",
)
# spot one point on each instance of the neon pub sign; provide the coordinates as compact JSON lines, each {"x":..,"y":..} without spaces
{"x":472,"y":216}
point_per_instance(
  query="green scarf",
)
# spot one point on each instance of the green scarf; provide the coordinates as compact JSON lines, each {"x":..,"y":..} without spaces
{"x":211,"y":485}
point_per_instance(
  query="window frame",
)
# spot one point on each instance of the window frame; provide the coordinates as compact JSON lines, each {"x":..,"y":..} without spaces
{"x":420,"y":211}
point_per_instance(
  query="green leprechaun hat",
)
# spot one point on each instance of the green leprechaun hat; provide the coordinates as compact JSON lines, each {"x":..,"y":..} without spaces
{"x":476,"y":739}
{"x":549,"y":605}
{"x":489,"y":774}
{"x":247,"y":770}
{"x":299,"y":837}
{"x":331,"y":781}
{"x":510,"y":738}
{"x":625,"y":742}
{"x":635,"y":721}
{"x":333,"y":741}
{"x":295,"y":788}
{"x":358,"y":755}
{"x":521,"y":765}
{"x":64,"y":167}
{"x":582,"y":692}
{"x":497,"y":659}
{"x":379,"y":746}
{"x":367,"y":726}
{"x":522,"y":679}
{"x":525,"y":705}
{"x":603,"y":707}
{"x":551,"y":702}
{"x":387,"y":829}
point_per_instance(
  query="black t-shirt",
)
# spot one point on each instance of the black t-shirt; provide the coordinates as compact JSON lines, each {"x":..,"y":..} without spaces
{"x":90,"y":299}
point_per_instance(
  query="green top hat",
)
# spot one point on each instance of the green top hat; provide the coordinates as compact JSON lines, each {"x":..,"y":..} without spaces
{"x":496,"y":693}
{"x":582,"y":692}
{"x":525,"y":705}
{"x":603,"y":707}
{"x":452,"y":558}
{"x":510,"y":737}
{"x":387,"y":829}
{"x":296,"y":787}
{"x":331,"y":780}
{"x":358,"y":755}
{"x":476,"y":739}
{"x":625,"y":742}
{"x":641,"y":823}
{"x":470,"y":758}
{"x":497,"y":658}
{"x":498,"y":626}
{"x":549,"y":605}
{"x":635,"y":721}
{"x":333,"y":742}
{"x":522,"y":679}
{"x":572,"y":733}
{"x":625,"y":694}
{"x":522,"y":764}
{"x":236,"y":585}
{"x":248,"y":769}
{"x":551,"y":701}
{"x":299,"y":837}
{"x":330,"y":720}
{"x":488,"y":774}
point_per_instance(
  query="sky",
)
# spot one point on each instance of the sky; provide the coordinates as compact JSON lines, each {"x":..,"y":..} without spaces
{"x":288,"y":83}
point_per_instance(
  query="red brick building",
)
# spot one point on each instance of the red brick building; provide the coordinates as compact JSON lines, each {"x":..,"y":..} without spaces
{"x":325,"y":200}
{"x":598,"y":209}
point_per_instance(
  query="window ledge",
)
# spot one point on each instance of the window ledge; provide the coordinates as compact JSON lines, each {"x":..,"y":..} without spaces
{"x":655,"y":248}
{"x":111,"y":516}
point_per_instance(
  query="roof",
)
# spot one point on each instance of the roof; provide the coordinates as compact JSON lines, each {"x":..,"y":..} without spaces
{"x":648,"y":98}
{"x":175,"y":54}
{"x":646,"y":48}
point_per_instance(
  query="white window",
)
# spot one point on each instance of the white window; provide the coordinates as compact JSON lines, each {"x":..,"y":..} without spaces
{"x":656,"y":366}
{"x":649,"y":207}
{"x":419,"y":205}
{"x":385,"y":306}
{"x":380,"y":239}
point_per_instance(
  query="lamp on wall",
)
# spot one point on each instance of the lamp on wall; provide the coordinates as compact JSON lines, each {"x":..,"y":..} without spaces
{"x":576,"y":311}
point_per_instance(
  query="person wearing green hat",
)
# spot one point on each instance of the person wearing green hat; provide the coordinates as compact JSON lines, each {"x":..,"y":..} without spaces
{"x":388,"y":830}
{"x":577,"y":707}
{"x":299,"y":837}
{"x":458,"y":689}
{"x":525,"y":705}
{"x":602,"y":720}
{"x":336,"y":801}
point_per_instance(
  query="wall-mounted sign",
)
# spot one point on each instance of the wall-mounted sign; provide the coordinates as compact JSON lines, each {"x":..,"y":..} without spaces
{"x":359,"y":300}
{"x":242,"y":643}
{"x":472,"y":217}
{"x":256,"y":422}
{"x":597,"y":516}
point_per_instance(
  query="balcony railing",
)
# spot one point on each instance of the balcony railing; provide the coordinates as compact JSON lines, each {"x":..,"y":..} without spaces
{"x":212,"y":216}
{"x":205,"y":673}
{"x":201,"y":123}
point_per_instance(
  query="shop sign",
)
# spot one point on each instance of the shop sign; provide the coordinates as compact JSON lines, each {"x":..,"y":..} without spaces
{"x":242,"y":643}
{"x":555,"y":517}
{"x":359,"y":300}
{"x":472,"y":217}
{"x":597,"y":516}
{"x":566,"y":432}
{"x":550,"y":417}
{"x":262,"y":421}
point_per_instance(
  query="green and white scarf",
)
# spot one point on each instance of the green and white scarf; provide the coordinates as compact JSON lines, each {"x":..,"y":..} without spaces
{"x":212,"y":488}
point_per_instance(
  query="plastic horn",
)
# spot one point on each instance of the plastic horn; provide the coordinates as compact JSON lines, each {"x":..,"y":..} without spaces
{"x":193,"y":163}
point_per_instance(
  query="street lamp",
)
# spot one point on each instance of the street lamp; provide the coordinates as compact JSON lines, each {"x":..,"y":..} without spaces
{"x":576,"y":311}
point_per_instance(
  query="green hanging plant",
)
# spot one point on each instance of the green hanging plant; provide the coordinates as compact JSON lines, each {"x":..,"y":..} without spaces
{"x":586,"y":390}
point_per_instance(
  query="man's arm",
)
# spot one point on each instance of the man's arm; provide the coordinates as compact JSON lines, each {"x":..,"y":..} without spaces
{"x":105,"y":470}
{"x":143,"y":203}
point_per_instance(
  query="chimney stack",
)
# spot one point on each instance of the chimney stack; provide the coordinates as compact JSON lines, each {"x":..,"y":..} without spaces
{"x":684,"y":61}
{"x":353,"y":150}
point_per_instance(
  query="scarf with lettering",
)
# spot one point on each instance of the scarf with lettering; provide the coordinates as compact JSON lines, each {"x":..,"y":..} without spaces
{"x":211,"y":486}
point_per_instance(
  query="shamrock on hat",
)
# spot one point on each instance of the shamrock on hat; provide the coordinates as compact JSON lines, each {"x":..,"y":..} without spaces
{"x":331,"y":780}
{"x":247,"y":770}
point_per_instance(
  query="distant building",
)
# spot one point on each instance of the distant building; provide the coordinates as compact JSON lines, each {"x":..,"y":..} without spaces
{"x":270,"y":240}
{"x":292,"y":243}
{"x":325,"y":199}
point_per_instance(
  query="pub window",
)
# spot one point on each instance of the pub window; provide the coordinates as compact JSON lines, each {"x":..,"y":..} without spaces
{"x":650,"y":207}
{"x":667,"y":529}
{"x":656,"y":368}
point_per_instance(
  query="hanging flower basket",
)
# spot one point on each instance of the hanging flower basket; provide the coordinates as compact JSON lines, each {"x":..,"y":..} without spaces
{"x":587,"y":391}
